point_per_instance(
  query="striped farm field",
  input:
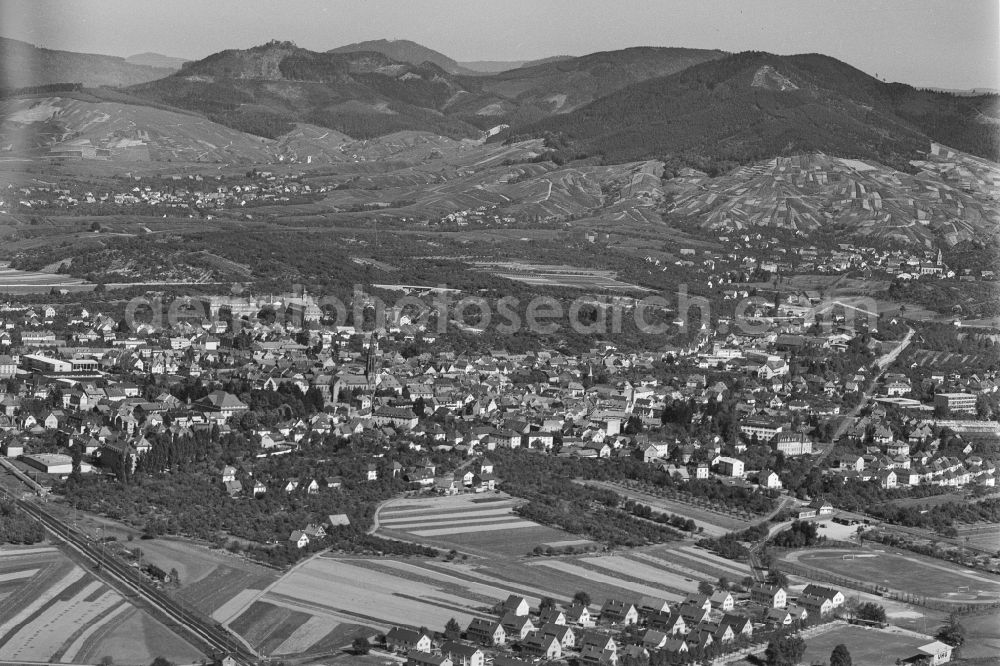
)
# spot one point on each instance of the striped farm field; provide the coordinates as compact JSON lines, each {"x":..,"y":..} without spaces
{"x":483,"y":525}
{"x":650,"y":573}
{"x":586,"y":575}
{"x":52,"y":610}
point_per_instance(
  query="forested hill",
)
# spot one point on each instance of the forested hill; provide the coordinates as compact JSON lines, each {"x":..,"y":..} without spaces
{"x":403,"y":50}
{"x":558,"y":86}
{"x":751,"y":106}
{"x":265,"y":89}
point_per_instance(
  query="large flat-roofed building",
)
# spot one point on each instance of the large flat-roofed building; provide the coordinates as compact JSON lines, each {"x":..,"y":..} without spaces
{"x":56,"y":464}
{"x":956,"y":402}
{"x":54,"y":366}
{"x":46,"y":363}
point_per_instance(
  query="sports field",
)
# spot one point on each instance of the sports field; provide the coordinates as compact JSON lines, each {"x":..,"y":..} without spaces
{"x":480,"y":524}
{"x":904,"y":572}
{"x":870,"y":647}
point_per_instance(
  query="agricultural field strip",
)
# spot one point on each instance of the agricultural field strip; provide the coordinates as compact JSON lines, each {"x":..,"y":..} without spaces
{"x":508,"y":586}
{"x":45,"y":634}
{"x":569,"y":542}
{"x":308,"y":634}
{"x":369,"y":593}
{"x":705,"y":566}
{"x":702,"y":554}
{"x":432,"y":506}
{"x":4,"y":553}
{"x":262,"y":620}
{"x":74,"y":648}
{"x":587,"y":574}
{"x":474,"y":528}
{"x":17,"y":575}
{"x":675,"y":567}
{"x":435,"y":582}
{"x":642,"y":572}
{"x":389,"y":519}
{"x":460,"y":521}
{"x":481,"y":589}
{"x":280,"y":631}
{"x":393,"y":512}
{"x":231,"y":609}
{"x":49,"y":634}
{"x":73,"y":575}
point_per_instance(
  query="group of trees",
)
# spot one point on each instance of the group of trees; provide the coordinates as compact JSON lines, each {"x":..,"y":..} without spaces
{"x":16,"y":527}
{"x":554,"y":499}
{"x":801,"y":534}
{"x":939,"y":517}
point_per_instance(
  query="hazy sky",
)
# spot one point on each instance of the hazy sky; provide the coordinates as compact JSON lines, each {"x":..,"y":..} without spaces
{"x":945,"y":43}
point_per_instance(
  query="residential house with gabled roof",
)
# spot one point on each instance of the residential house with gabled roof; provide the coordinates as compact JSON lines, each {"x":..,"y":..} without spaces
{"x":816,"y":606}
{"x":835,"y":596}
{"x":541,"y":645}
{"x":677,"y":646}
{"x":462,"y":654}
{"x":617,"y":611}
{"x":515,"y":605}
{"x":740,"y":624}
{"x":722,"y":600}
{"x":649,"y":605}
{"x":399,"y":639}
{"x":562,"y":633}
{"x":773,"y":596}
{"x":670,"y":623}
{"x":579,"y":614}
{"x":552,"y":615}
{"x":517,"y":626}
{"x":421,"y":658}
{"x":486,"y":631}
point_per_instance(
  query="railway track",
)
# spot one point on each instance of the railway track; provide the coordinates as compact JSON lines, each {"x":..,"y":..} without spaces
{"x":202,"y":631}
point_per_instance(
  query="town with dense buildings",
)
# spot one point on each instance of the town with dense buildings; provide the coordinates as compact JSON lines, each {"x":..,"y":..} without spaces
{"x":815,"y":421}
{"x":367,"y":356}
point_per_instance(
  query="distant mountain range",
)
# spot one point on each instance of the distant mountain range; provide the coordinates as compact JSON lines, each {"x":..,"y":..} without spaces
{"x":403,"y":50}
{"x":263,"y":90}
{"x":494,"y":66}
{"x":751,"y":106}
{"x":156,"y":60}
{"x":24,"y":65}
{"x":689,"y":107}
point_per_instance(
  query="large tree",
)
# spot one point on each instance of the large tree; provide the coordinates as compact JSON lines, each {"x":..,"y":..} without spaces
{"x":452,"y":630}
{"x":360,"y":645}
{"x":871,"y":612}
{"x":581,"y":598}
{"x":952,"y":633}
{"x":840,"y":656}
{"x":785,"y":651}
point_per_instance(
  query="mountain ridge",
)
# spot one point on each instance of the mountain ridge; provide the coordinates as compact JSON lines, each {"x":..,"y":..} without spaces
{"x":26,"y":65}
{"x":754,"y":105}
